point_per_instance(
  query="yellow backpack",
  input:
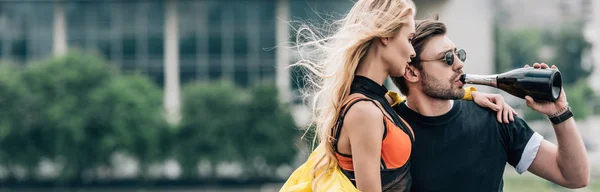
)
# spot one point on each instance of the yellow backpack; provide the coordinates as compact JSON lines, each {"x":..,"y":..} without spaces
{"x":301,"y":179}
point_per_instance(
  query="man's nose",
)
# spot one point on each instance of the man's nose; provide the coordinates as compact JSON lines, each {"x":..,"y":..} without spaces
{"x":458,"y":64}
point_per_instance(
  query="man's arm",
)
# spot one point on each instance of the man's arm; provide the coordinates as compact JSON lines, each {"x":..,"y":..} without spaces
{"x":567,"y":164}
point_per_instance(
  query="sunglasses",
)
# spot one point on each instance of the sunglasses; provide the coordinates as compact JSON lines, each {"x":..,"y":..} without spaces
{"x":449,"y":57}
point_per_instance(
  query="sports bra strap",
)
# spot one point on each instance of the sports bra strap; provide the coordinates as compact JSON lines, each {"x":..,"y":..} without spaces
{"x":345,"y":109}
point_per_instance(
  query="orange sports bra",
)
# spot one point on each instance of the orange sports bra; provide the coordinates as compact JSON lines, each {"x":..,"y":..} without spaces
{"x":395,"y":150}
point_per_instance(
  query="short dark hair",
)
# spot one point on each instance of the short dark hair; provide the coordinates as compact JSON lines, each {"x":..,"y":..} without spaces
{"x":425,"y":30}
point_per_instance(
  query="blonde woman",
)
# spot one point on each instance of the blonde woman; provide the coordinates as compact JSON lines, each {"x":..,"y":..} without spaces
{"x":358,"y":132}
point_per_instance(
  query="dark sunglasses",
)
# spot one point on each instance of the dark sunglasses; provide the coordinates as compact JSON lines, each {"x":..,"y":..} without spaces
{"x":449,"y":57}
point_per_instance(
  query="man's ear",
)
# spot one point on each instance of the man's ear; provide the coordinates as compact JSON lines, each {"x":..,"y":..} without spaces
{"x":411,"y":74}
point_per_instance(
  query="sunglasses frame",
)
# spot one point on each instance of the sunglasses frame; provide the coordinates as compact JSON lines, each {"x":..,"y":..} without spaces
{"x":449,"y":57}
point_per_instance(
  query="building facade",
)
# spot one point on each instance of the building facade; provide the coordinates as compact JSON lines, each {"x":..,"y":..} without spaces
{"x":178,"y":41}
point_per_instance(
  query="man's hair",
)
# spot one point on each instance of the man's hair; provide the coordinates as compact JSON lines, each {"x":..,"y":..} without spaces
{"x":425,"y":30}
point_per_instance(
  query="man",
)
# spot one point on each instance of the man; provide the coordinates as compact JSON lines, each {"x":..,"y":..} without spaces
{"x":460,"y":146}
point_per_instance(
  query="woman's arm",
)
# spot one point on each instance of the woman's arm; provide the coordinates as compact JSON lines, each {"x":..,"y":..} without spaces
{"x":493,"y":101}
{"x":364,"y":126}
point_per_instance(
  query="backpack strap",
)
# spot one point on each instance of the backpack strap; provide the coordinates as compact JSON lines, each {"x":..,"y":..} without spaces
{"x":396,"y":119}
{"x":338,"y":126}
{"x":375,"y":91}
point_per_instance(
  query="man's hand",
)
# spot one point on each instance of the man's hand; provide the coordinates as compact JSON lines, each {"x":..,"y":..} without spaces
{"x":566,"y":164}
{"x":547,"y":108}
{"x":496,"y":103}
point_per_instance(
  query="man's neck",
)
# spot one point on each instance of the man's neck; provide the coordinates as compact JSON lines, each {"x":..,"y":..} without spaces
{"x":427,"y":106}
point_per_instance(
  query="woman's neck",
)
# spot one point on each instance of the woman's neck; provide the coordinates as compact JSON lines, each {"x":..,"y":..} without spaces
{"x":372,"y":67}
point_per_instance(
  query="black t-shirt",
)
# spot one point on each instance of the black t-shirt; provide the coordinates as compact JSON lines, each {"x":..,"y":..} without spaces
{"x":467,"y":149}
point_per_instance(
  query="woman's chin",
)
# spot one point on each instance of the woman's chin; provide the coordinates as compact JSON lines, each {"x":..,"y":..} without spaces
{"x":398,"y":73}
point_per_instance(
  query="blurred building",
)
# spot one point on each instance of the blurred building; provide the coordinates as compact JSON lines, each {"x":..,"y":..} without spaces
{"x":216,"y":39}
{"x":547,"y":14}
{"x":200,"y":40}
{"x":179,"y":41}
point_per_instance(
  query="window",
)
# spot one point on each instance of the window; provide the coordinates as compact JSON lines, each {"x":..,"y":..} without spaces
{"x":155,"y":45}
{"x":187,"y":46}
{"x":214,"y":46}
{"x":240,"y":72}
{"x":187,"y":70}
{"x":214,"y":68}
{"x":240,"y":46}
{"x":104,"y":49}
{"x":267,"y":70}
{"x":129,"y":45}
{"x":19,"y":49}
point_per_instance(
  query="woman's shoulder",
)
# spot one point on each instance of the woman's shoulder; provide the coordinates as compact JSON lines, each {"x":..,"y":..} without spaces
{"x":364,"y":110}
{"x":359,"y":106}
{"x":363,"y":114}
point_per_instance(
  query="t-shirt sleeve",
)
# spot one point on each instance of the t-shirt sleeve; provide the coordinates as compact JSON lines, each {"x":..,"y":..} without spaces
{"x":521,"y":143}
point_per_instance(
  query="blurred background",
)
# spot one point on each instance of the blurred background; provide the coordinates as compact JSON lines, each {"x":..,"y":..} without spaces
{"x":195,"y":95}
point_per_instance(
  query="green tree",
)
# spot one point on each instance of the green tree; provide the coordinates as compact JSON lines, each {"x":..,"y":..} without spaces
{"x":223,"y":123}
{"x":269,"y":138}
{"x":516,"y":48}
{"x":79,"y":111}
{"x":212,"y":113}
{"x":129,"y":110}
{"x":59,"y":111}
{"x":570,"y":44}
{"x":16,"y":142}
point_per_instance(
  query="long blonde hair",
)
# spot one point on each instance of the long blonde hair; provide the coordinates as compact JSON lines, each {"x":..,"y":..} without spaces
{"x":333,"y":59}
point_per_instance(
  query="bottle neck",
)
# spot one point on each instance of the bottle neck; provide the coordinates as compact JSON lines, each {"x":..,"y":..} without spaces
{"x":489,"y":80}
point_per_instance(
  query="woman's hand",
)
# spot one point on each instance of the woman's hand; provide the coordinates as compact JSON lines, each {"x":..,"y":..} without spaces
{"x":496,"y":103}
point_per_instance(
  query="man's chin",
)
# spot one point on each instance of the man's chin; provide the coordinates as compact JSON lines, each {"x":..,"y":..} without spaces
{"x":458,"y":93}
{"x":447,"y":95}
{"x":462,"y":93}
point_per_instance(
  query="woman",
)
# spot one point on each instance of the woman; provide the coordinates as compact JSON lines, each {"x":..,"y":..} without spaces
{"x":358,"y":132}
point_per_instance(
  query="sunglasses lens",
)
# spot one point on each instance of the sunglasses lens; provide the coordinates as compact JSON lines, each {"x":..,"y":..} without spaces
{"x":462,"y":55}
{"x":449,"y":57}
